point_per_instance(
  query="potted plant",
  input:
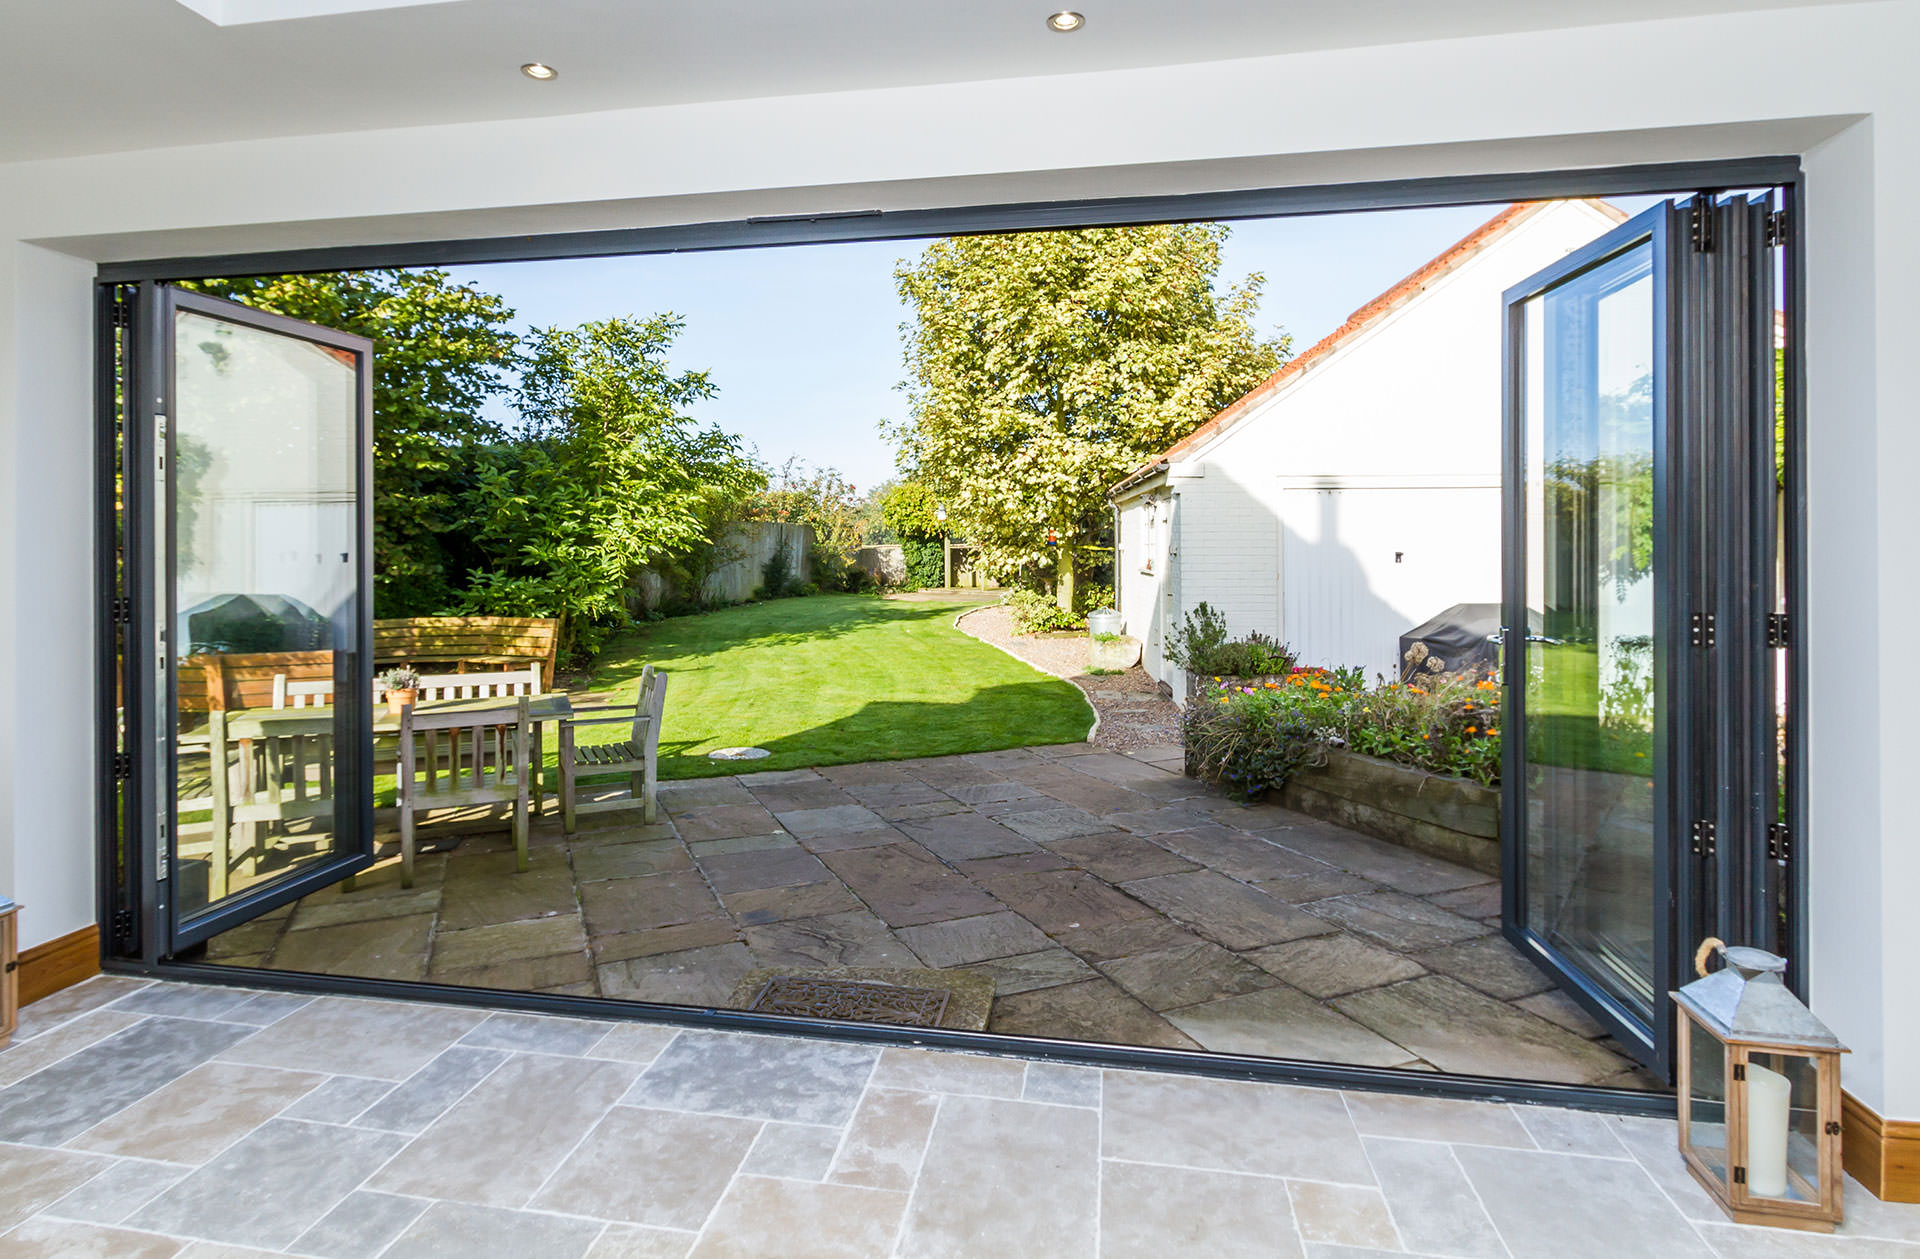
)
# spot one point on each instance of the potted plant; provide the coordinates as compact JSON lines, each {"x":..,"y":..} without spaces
{"x":402,"y":687}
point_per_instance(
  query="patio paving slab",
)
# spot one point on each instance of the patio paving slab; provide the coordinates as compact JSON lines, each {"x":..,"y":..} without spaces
{"x":1119,"y":857}
{"x":966,"y":837}
{"x":1397,"y":921}
{"x":856,"y":938}
{"x":381,"y":948}
{"x":1064,"y":900}
{"x":1185,"y":975}
{"x":1228,"y":912}
{"x":1334,"y":965}
{"x":778,"y":904}
{"x":1095,"y":1010}
{"x":1048,"y":825}
{"x":1153,"y":1212}
{"x":815,"y":793}
{"x":1490,"y":965}
{"x":755,"y":871}
{"x":1282,"y":1022}
{"x":699,"y":977}
{"x":1027,"y":972}
{"x":907,"y":885}
{"x":687,"y":935}
{"x":1459,"y":1030}
{"x":757,"y":1077}
{"x":594,"y":862}
{"x":961,"y":941}
{"x":809,"y":823}
{"x":657,"y":900}
{"x":725,"y":821}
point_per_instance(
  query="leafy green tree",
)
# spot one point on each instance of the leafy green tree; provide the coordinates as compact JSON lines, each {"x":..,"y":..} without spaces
{"x":607,"y":474}
{"x":439,"y":349}
{"x":1046,"y":365}
{"x":827,"y":503}
{"x":907,"y":511}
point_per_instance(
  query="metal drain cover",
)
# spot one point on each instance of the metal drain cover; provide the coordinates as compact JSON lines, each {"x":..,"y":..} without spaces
{"x":846,"y":999}
{"x":738,"y":754}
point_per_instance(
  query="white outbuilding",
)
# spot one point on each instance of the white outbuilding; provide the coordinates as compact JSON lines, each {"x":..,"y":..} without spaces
{"x":1355,"y":493}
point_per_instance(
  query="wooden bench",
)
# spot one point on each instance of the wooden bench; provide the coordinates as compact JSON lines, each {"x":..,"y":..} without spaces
{"x":466,"y":642}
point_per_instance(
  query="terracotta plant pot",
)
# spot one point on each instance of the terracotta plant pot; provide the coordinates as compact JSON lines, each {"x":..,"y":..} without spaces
{"x":397,"y":700}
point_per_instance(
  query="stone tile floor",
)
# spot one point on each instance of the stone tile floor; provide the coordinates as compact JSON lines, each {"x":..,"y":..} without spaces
{"x":1109,"y":897}
{"x":153,"y":1119}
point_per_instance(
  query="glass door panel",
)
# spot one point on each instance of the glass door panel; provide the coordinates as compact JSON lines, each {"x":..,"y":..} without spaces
{"x":1591,"y":517}
{"x":267,"y":615}
{"x":1585,"y":774}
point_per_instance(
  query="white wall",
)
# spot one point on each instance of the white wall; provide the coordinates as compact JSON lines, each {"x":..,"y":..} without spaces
{"x":1410,"y":402}
{"x":1832,"y":83}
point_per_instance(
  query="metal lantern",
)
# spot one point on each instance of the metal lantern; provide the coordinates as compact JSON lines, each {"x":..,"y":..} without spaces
{"x":1759,"y":1093}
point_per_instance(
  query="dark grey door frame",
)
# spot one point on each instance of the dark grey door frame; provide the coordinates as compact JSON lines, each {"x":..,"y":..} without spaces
{"x":135,"y":948}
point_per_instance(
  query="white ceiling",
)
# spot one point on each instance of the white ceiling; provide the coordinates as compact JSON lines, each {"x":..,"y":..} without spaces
{"x":96,"y":76}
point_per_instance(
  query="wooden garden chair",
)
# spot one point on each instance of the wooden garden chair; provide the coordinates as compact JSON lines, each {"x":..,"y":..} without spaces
{"x":470,"y":776}
{"x":638,"y":757}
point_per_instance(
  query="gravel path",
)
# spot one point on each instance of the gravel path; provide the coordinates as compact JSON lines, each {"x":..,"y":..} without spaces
{"x":1132,"y":713}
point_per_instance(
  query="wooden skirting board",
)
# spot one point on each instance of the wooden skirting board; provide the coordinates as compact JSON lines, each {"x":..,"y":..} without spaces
{"x":1882,"y":1154}
{"x":47,"y":968}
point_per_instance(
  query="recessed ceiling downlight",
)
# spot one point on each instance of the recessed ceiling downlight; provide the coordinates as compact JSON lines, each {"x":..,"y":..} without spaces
{"x":1065,"y":21}
{"x":539,"y":70}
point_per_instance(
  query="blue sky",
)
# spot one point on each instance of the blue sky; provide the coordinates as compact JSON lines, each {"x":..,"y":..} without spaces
{"x":804,"y":341}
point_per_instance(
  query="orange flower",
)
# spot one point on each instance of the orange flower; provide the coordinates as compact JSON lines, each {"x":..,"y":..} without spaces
{"x":1473,"y":730}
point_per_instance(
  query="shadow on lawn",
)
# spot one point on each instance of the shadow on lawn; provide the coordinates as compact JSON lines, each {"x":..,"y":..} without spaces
{"x":997,"y":717}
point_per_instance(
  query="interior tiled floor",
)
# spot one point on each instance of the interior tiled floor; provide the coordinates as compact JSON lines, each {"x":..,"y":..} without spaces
{"x":212,"y":1123}
{"x":1109,"y":897}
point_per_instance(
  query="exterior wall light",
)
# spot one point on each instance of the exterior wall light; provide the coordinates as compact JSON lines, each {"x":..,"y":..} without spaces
{"x":1759,"y":1094}
{"x":1066,"y":21}
{"x":539,"y":70}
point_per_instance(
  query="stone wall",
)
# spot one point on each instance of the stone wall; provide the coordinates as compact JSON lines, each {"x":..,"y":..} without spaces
{"x":886,"y":564}
{"x":1450,"y":818}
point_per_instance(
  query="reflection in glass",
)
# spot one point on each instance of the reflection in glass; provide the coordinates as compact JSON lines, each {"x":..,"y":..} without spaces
{"x":1591,"y":520}
{"x":263,"y":537}
{"x":1707,"y":1101}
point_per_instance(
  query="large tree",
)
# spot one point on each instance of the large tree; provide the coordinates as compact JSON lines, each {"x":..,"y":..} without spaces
{"x":439,"y":350}
{"x":1046,"y":365}
{"x":607,"y":474}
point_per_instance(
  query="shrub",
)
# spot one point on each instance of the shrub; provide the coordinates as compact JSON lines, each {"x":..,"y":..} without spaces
{"x":777,"y":579}
{"x":926,"y":563}
{"x":1201,"y":647}
{"x":1036,"y":613}
{"x":1091,"y":597}
{"x":1202,"y":633}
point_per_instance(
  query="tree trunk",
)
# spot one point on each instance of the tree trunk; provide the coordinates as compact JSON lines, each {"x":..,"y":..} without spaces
{"x":1063,"y":580}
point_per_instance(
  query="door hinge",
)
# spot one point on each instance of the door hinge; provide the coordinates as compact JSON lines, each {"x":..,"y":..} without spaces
{"x":1739,"y":1070}
{"x":1700,"y":229}
{"x":1779,"y":842}
{"x":1703,"y":629}
{"x":122,"y":766}
{"x":121,"y":610}
{"x":120,"y":312}
{"x":123,"y":926}
{"x":1740,"y":1174}
{"x":1705,"y":841}
{"x":1833,"y":1127}
{"x":1777,"y":635}
{"x":1776,"y":229}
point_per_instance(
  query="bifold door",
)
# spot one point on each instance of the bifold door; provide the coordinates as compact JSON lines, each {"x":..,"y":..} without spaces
{"x":247,"y":485}
{"x":1639,"y":698}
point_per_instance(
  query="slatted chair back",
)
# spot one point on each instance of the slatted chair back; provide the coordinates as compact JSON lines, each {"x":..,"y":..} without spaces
{"x":288,"y":693}
{"x":486,"y":761}
{"x":504,"y":683}
{"x":463,"y":641}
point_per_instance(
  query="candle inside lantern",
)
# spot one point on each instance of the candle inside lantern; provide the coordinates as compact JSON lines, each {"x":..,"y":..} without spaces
{"x":1769,"y":1103}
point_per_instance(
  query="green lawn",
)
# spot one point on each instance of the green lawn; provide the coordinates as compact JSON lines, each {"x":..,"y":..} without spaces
{"x":834,"y":679}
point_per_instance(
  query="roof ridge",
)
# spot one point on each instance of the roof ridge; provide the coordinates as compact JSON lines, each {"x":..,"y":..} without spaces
{"x":1395,"y":296}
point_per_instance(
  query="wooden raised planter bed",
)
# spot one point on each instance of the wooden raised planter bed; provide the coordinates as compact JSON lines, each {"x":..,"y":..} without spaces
{"x":1450,"y":818}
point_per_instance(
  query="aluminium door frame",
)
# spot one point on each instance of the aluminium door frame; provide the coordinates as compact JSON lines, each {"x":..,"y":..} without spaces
{"x":1667,"y":179}
{"x":152,"y":595}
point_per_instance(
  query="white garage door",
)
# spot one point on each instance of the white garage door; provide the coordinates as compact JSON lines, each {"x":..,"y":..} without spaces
{"x":1360,"y":566}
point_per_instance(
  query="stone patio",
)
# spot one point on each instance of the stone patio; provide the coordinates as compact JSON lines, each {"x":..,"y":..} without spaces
{"x":168,"y":1121}
{"x":1109,"y":898}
